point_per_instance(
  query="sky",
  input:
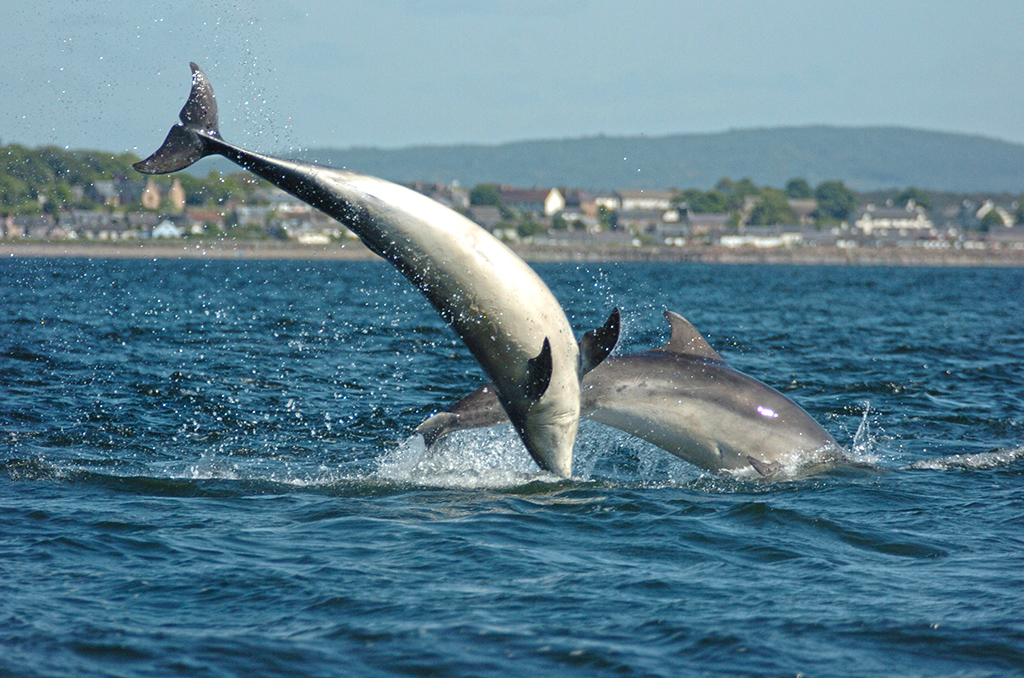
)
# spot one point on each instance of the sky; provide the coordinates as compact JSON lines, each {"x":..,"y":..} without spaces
{"x":112,"y":75}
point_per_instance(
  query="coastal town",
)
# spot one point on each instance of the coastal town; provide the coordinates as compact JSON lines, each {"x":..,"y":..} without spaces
{"x":734,"y":216}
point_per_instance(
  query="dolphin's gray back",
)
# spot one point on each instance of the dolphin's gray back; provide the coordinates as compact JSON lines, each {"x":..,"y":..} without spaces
{"x":701,"y":410}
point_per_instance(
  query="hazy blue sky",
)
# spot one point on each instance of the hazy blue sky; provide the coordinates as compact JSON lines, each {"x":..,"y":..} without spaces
{"x":113,"y":75}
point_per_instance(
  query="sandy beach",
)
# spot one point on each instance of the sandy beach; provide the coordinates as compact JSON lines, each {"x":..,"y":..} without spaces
{"x":355,"y":251}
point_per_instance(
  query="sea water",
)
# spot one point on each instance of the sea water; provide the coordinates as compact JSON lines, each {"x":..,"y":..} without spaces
{"x":207,"y":468}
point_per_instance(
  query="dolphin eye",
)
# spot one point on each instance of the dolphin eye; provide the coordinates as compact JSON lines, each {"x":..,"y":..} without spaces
{"x":766,"y":412}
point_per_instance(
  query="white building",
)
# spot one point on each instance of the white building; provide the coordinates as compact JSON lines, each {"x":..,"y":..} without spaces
{"x":913,"y":217}
{"x":631,"y":201}
{"x":166,"y":229}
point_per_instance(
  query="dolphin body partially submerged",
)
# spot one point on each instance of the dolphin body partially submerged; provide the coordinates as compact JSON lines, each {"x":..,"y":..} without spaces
{"x":683,"y":398}
{"x":501,"y":309}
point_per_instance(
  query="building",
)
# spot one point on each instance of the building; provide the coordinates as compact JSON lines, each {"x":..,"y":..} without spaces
{"x":176,"y":196}
{"x":486,"y":216}
{"x":539,"y":201}
{"x":630,"y":201}
{"x":764,"y":237}
{"x":581,"y":202}
{"x":151,"y":197}
{"x":912,"y":217}
{"x":805,"y":210}
{"x":453,"y":196}
{"x":166,"y":229}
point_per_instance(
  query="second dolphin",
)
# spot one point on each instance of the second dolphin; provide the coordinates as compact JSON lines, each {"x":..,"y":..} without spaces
{"x":685,"y":399}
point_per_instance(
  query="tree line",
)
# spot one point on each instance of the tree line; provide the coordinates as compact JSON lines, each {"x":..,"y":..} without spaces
{"x":49,"y":179}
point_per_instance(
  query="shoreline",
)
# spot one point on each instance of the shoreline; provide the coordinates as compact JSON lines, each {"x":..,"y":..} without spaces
{"x":356,"y":251}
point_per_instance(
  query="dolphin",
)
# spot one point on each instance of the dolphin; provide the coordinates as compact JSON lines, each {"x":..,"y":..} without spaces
{"x":499,"y":307}
{"x":683,"y":398}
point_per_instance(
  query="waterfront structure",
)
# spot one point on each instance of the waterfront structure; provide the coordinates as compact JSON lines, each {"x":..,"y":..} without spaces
{"x":912,"y":217}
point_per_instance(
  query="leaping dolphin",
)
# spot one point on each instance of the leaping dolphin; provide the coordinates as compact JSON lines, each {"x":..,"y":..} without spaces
{"x":501,"y":309}
{"x":683,"y":398}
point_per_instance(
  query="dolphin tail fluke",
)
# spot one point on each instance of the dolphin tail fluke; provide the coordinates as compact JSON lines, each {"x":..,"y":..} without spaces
{"x":597,"y":344}
{"x":188,"y":142}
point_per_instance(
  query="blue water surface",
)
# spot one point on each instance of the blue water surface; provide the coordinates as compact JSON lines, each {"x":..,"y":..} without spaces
{"x":207,"y":469}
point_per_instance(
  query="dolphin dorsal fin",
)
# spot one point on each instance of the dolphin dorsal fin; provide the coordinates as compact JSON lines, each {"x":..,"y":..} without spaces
{"x":687,"y":340}
{"x":597,"y":344}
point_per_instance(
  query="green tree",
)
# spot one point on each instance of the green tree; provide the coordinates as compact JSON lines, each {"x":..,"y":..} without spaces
{"x":528,"y":227}
{"x":918,"y":195}
{"x":799,"y":189}
{"x":710,"y":202}
{"x":835,"y":201}
{"x":773,"y":209}
{"x":609,"y":219}
{"x":992,"y":219}
{"x":485,"y":194}
{"x":736,"y":191}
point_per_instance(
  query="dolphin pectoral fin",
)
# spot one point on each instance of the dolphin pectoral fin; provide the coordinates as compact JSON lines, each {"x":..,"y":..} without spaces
{"x":687,"y":340}
{"x":185,"y":144}
{"x":538,"y":373}
{"x":598,"y":343}
{"x":766,"y":469}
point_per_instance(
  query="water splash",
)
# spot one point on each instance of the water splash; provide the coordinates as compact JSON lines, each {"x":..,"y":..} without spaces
{"x":864,"y":448}
{"x":481,"y":458}
{"x":977,"y":461}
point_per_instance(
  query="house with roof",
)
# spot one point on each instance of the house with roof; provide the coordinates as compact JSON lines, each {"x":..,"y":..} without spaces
{"x":1001,"y":214}
{"x":690,"y":224}
{"x":27,"y":226}
{"x":118,"y":192}
{"x":206,"y":219}
{"x":805,"y":210}
{"x":580,"y":202}
{"x":1006,"y":238}
{"x":453,"y":196}
{"x":635,"y":200}
{"x":104,"y":192}
{"x":872,"y":219}
{"x":763,"y":237}
{"x":166,"y":229}
{"x":487,"y":216}
{"x":176,"y":196}
{"x":539,"y":201}
{"x":608,"y":201}
{"x":151,"y":195}
{"x":647,"y":221}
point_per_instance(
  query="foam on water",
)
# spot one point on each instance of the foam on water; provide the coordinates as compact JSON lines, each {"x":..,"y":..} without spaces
{"x":481,"y":458}
{"x":974,"y":461}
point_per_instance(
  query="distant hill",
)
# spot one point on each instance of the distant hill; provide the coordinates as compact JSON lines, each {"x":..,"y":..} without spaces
{"x":865,"y":159}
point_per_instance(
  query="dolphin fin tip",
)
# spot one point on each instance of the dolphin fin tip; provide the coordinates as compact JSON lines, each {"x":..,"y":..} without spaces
{"x":597,"y":344}
{"x":685,"y":339}
{"x":181,"y":148}
{"x":184,"y":145}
